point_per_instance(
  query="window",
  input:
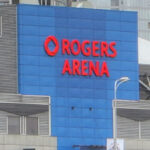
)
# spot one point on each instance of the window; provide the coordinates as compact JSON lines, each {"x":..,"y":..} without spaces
{"x":13,"y":125}
{"x":60,"y":2}
{"x":148,"y":25}
{"x":114,"y":3}
{"x":45,"y":2}
{"x":15,"y":1}
{"x":3,"y":125}
{"x":4,"y":2}
{"x":69,"y":3}
{"x":122,"y":2}
{"x":32,"y":125}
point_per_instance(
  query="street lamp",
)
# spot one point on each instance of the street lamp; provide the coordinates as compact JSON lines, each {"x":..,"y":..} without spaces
{"x":117,"y":84}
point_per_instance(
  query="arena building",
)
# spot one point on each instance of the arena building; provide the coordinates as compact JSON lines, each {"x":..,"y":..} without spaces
{"x":58,"y":69}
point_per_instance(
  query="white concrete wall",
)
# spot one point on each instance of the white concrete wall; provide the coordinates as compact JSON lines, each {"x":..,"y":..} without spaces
{"x":19,"y":142}
{"x":137,"y":144}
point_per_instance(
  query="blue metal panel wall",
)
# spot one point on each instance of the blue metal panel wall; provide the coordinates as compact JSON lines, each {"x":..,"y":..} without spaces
{"x":40,"y":74}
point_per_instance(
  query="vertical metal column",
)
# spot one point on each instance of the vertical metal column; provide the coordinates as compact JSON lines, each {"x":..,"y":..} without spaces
{"x":115,"y":125}
{"x":139,"y":130}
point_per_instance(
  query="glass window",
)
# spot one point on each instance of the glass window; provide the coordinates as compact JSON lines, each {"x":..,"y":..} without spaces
{"x":114,"y":2}
{"x":48,"y":2}
{"x":32,"y":125}
{"x":148,"y":25}
{"x":15,"y":1}
{"x":3,"y":2}
{"x":60,"y":2}
{"x":13,"y":125}
{"x":44,"y":2}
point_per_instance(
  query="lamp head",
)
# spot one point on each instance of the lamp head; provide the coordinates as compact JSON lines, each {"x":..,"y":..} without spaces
{"x":117,"y":84}
{"x":123,"y":79}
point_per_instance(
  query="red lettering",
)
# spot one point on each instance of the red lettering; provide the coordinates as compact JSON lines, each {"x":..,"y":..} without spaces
{"x":87,"y":48}
{"x":76,"y":66}
{"x":66,"y":67}
{"x":112,"y":44}
{"x":94,"y":68}
{"x":46,"y":43}
{"x":95,"y":48}
{"x":104,"y":49}
{"x":84,"y":67}
{"x":104,"y":69}
{"x":65,"y":47}
{"x":77,"y":43}
{"x":86,"y":51}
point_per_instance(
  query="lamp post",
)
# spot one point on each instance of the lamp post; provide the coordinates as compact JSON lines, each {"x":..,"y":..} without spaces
{"x":116,"y":85}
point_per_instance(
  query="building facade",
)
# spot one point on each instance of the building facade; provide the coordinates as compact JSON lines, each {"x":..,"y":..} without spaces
{"x":74,"y":56}
{"x":140,"y":6}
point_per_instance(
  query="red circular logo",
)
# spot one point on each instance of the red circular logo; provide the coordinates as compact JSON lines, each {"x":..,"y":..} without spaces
{"x":55,"y":41}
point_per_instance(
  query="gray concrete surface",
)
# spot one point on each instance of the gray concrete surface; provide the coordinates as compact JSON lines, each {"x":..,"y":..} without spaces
{"x":137,"y":144}
{"x":20,"y":142}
